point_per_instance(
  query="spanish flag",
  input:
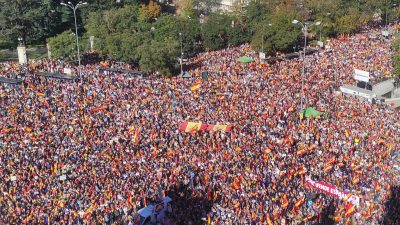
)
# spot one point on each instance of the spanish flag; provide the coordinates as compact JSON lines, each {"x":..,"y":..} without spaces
{"x":332,"y":160}
{"x":351,"y":209}
{"x":236,"y":184}
{"x":284,"y":201}
{"x":99,"y":108}
{"x":328,"y":168}
{"x":131,"y":129}
{"x":152,"y":135}
{"x":192,"y":127}
{"x":195,"y":87}
{"x":299,"y":202}
{"x":28,"y":129}
{"x":108,"y":193}
{"x":88,"y":212}
{"x":355,"y":180}
{"x":60,"y":204}
{"x":130,"y":199}
{"x":135,"y":137}
{"x":301,"y":152}
{"x":219,"y":128}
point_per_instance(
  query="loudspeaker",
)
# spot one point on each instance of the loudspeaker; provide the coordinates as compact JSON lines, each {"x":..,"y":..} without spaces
{"x":204,"y":75}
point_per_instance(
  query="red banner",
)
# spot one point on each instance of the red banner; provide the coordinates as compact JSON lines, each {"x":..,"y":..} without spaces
{"x":333,"y":191}
{"x":198,"y":126}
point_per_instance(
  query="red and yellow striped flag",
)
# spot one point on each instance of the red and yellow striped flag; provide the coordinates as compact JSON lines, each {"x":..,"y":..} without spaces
{"x":284,"y":201}
{"x":99,"y":108}
{"x":350,"y":210}
{"x":136,"y":136}
{"x":195,"y":87}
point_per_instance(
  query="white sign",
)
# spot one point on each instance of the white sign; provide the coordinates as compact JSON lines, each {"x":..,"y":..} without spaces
{"x":13,"y":178}
{"x":262,"y":55}
{"x":361,"y":75}
{"x":67,"y":71}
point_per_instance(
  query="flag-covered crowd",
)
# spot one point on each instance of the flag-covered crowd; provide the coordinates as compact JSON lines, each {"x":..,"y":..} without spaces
{"x":96,"y":152}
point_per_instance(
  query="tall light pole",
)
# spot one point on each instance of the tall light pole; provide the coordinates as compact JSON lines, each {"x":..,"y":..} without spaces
{"x":304,"y":29}
{"x":304,"y":26}
{"x":386,"y":15}
{"x":319,"y":23}
{"x":262,"y":40}
{"x":180,"y":39}
{"x":74,"y":8}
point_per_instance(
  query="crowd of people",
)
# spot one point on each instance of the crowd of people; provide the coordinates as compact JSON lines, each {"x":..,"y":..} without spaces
{"x":97,"y":151}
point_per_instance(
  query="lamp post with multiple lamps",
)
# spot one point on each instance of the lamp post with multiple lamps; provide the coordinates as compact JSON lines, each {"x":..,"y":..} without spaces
{"x":74,"y":8}
{"x":304,"y":29}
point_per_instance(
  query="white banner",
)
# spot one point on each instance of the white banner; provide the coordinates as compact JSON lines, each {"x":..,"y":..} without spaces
{"x":334,"y":191}
{"x":361,"y":75}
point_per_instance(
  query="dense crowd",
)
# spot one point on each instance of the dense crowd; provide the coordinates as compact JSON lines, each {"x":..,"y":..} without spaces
{"x":97,"y":152}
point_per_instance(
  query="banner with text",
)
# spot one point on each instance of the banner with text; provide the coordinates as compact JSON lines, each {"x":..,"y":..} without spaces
{"x":334,"y":191}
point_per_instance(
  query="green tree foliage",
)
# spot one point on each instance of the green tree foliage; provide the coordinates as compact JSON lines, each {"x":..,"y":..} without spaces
{"x":170,"y":26}
{"x":281,"y":34}
{"x":214,"y":31}
{"x":221,"y":30}
{"x":187,"y":8}
{"x":112,"y":30}
{"x":30,"y":20}
{"x":395,"y":44}
{"x":159,"y":56}
{"x":63,"y":45}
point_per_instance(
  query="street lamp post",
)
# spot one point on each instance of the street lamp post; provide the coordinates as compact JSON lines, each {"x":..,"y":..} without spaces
{"x":304,"y":29}
{"x":386,"y":16}
{"x":74,"y":8}
{"x":180,"y":39}
{"x":262,"y":40}
{"x":304,"y":26}
{"x":319,"y":23}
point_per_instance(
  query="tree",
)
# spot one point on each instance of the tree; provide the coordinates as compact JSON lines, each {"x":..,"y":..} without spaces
{"x":159,"y":56}
{"x":150,"y":11}
{"x":187,"y":8}
{"x":111,"y":29}
{"x":63,"y":45}
{"x":24,"y":18}
{"x":395,"y":44}
{"x":169,"y":26}
{"x":215,"y":31}
{"x":281,"y":34}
